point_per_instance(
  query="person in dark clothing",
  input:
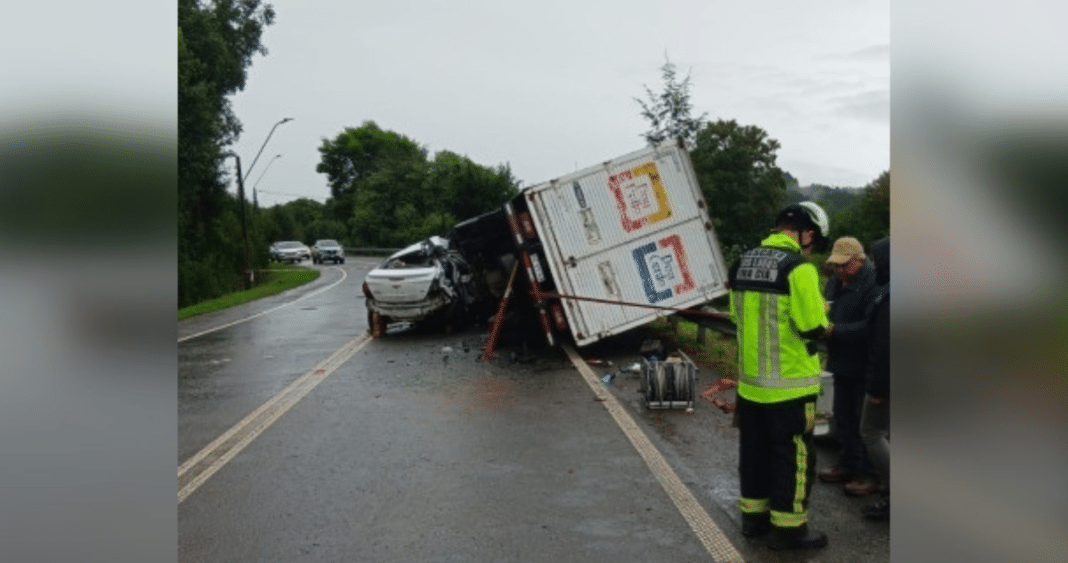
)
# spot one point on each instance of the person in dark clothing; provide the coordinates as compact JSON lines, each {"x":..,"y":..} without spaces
{"x":849,"y":293}
{"x":875,"y":415}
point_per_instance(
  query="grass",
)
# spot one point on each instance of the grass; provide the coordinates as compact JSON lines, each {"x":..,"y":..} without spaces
{"x":280,"y":278}
{"x":719,"y":353}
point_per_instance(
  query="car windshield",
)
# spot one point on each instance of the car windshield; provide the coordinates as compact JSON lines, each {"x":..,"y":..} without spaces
{"x":327,"y":242}
{"x":289,"y":245}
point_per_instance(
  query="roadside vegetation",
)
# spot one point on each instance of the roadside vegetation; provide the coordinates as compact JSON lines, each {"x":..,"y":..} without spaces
{"x":719,"y":352}
{"x":279,"y":278}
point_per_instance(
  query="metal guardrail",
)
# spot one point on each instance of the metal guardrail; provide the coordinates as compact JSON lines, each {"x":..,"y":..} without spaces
{"x":720,"y":321}
{"x":370,"y":251}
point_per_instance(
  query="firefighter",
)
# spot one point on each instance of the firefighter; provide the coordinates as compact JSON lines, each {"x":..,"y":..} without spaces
{"x":779,"y":311}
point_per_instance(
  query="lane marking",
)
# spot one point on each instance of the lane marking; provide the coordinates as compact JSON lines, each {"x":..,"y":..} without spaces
{"x":344,"y":275}
{"x":713,"y":538}
{"x":196,"y":470}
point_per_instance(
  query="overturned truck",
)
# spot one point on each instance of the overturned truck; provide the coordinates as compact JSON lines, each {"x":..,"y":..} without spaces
{"x":600,"y":251}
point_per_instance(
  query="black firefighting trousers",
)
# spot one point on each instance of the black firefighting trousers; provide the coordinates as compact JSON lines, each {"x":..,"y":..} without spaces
{"x":777,"y":462}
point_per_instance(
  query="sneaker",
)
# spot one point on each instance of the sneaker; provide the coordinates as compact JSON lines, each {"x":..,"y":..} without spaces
{"x":796,"y":538}
{"x":835,"y":474}
{"x":862,"y":486}
{"x":879,"y":510}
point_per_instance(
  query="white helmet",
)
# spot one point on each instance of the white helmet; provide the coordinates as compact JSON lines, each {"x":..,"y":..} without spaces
{"x":809,"y":213}
{"x":819,"y":217}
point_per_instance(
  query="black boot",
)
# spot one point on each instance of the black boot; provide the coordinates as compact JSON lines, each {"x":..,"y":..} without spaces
{"x":879,"y":510}
{"x":754,"y":525}
{"x":796,"y":538}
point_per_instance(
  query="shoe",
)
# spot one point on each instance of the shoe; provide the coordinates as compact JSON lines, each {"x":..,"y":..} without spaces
{"x":862,"y":486}
{"x":879,"y":510}
{"x":835,"y":474}
{"x":802,"y":537}
{"x":754,"y":525}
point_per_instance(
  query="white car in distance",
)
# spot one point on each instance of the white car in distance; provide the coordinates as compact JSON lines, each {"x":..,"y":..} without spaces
{"x":290,"y":251}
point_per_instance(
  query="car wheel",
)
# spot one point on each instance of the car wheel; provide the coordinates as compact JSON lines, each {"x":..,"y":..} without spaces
{"x":377,"y":323}
{"x":342,"y":261}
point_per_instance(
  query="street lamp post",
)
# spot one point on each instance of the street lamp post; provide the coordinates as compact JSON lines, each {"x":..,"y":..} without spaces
{"x":276,"y":157}
{"x":244,"y":225}
{"x":265,"y":145}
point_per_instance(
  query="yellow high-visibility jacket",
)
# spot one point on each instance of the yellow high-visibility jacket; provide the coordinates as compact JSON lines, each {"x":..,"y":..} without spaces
{"x":776,"y":306}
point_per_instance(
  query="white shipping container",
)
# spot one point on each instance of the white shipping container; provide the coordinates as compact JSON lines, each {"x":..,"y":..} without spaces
{"x":634,"y":230}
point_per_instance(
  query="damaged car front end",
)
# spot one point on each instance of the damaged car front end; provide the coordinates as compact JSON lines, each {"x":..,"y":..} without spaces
{"x":424,"y":282}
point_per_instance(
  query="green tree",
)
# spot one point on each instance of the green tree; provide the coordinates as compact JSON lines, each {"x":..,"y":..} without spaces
{"x":389,"y":195}
{"x":463,"y":189}
{"x":742,"y":185}
{"x":868,"y":219}
{"x":216,"y":43}
{"x":838,"y":199}
{"x":372,"y":173}
{"x":323,"y":227}
{"x":358,"y":153}
{"x":669,"y":112}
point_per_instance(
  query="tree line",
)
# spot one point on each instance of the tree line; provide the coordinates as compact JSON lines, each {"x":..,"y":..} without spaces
{"x":737,"y":171}
{"x":386,"y":190}
{"x":216,"y":43}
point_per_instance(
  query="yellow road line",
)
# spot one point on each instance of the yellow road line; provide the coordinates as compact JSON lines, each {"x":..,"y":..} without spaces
{"x":717,"y":544}
{"x":195,"y":471}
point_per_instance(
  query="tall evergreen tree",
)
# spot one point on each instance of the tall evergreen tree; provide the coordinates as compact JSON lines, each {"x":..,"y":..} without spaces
{"x":669,"y":112}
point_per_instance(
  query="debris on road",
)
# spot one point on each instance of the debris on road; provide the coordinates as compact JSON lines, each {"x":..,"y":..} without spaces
{"x":710,"y":394}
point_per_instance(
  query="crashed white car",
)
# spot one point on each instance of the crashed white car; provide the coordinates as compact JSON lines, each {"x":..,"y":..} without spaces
{"x":423,"y":282}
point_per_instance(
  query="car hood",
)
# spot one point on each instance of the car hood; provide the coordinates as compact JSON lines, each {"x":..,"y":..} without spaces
{"x":401,"y":285}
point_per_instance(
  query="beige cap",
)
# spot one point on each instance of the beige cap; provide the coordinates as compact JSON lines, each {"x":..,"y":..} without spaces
{"x":844,"y":249}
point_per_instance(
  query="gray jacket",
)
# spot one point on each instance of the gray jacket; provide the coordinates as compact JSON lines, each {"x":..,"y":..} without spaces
{"x":847,"y":349}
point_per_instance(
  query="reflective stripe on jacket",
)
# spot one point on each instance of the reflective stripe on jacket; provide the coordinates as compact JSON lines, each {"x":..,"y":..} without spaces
{"x":773,"y":362}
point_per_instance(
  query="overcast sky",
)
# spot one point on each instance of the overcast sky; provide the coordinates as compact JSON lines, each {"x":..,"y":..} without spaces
{"x":549,"y":86}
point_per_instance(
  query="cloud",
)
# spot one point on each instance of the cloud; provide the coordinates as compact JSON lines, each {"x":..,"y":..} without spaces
{"x":878,"y":53}
{"x":872,"y":105}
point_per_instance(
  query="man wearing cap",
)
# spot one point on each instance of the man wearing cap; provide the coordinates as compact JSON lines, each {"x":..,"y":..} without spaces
{"x":849,"y":292}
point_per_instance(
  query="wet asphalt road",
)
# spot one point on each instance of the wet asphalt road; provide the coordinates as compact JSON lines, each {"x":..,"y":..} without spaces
{"x":408,"y":452}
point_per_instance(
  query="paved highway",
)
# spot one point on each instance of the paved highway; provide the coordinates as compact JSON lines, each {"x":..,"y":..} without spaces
{"x":299,"y":438}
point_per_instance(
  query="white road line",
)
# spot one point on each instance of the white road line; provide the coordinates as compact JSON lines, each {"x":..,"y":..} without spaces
{"x":344,"y":275}
{"x":220,"y":451}
{"x":715,"y":542}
